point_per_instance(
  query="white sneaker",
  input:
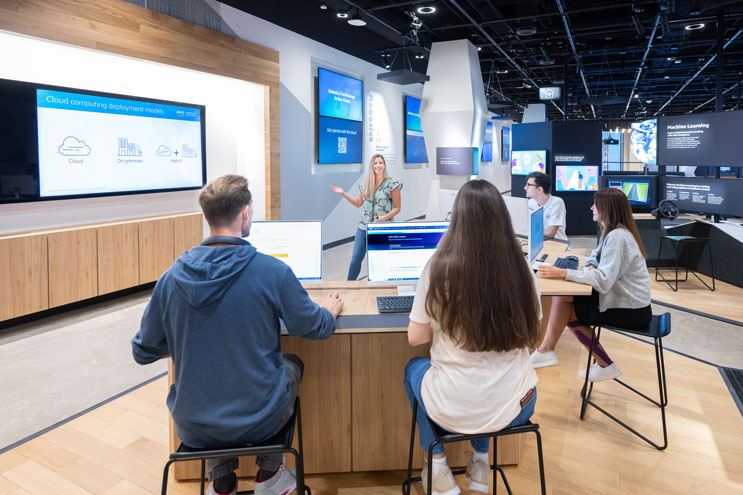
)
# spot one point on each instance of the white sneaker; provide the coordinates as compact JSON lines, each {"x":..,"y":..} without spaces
{"x":599,"y":374}
{"x":281,"y":483}
{"x":544,"y":359}
{"x":442,"y":483}
{"x":478,"y":473}
{"x":211,"y":491}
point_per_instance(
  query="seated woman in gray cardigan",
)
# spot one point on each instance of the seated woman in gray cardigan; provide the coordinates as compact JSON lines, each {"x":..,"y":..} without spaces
{"x":621,"y":287}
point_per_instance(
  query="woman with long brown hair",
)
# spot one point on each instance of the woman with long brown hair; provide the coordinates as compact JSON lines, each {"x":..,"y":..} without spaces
{"x":621,"y":287}
{"x":380,"y":198}
{"x":477,"y":303}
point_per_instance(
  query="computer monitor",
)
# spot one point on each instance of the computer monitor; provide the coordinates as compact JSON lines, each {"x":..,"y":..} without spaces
{"x":518,"y":209}
{"x":536,"y":233}
{"x":397,"y":252}
{"x":298,"y":244}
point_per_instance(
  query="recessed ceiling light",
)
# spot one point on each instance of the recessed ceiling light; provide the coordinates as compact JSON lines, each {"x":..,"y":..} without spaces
{"x":504,"y":71}
{"x":426,"y":10}
{"x":479,"y":48}
{"x":357,"y":21}
{"x":419,"y":56}
{"x":342,"y":15}
{"x":323,"y":6}
{"x":694,"y":27}
{"x":666,"y":77}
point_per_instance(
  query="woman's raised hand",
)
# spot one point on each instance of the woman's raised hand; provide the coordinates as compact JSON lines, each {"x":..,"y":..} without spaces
{"x":336,"y":189}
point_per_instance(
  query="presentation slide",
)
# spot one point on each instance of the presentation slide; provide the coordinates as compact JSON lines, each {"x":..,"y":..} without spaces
{"x":703,"y":195}
{"x":340,"y":96}
{"x":577,"y":177}
{"x":638,"y":191}
{"x":298,"y":244}
{"x":96,"y":145}
{"x":339,"y":141}
{"x":401,"y":251}
{"x":706,"y":139}
{"x":487,"y":145}
{"x":526,"y":162}
{"x":457,"y":161}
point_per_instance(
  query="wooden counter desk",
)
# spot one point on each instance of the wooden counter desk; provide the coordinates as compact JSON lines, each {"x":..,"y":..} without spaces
{"x":355,"y":413}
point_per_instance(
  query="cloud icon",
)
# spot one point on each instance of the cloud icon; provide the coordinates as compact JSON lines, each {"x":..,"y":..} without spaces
{"x":72,"y":146}
{"x":163,"y":151}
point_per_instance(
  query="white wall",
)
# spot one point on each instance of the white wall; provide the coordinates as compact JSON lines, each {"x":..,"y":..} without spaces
{"x":304,"y":184}
{"x":234,"y":126}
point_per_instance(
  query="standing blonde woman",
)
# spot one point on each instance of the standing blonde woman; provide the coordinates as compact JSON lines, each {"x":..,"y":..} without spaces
{"x":380,"y":199}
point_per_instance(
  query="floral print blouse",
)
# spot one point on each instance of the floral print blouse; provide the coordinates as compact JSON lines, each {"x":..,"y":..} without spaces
{"x":381,"y":204}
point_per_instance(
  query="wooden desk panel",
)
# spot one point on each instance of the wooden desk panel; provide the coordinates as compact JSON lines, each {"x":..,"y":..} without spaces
{"x":73,"y":266}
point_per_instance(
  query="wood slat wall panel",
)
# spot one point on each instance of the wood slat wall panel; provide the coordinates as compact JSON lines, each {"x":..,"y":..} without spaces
{"x":73,"y":266}
{"x":24,"y":285}
{"x":118,"y":27}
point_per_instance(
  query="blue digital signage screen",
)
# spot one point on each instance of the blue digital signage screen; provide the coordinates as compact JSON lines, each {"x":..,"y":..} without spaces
{"x":339,"y":96}
{"x":487,"y":146}
{"x":339,"y":141}
{"x":415,"y":145}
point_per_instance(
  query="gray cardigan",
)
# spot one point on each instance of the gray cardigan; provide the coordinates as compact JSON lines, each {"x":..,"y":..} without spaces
{"x":621,"y":278}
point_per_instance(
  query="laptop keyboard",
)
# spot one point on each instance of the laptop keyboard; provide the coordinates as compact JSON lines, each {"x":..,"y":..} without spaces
{"x":394,"y":304}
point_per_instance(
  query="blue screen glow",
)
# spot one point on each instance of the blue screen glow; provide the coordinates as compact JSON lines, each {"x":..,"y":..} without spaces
{"x":413,"y":114}
{"x":339,"y":141}
{"x":487,"y":146}
{"x":340,"y":96}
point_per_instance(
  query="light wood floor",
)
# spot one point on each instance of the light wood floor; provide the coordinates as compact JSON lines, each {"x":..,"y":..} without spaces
{"x":120,"y":448}
{"x":725,"y":301}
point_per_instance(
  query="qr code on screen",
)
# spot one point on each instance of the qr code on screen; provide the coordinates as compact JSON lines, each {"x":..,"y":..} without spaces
{"x":342,"y":145}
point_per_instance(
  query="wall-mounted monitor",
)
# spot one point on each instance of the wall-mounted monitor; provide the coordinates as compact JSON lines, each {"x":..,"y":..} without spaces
{"x":415,"y":145}
{"x":526,"y":162}
{"x":576,"y":177}
{"x":487,"y":145}
{"x":457,"y":161}
{"x":340,"y":112}
{"x":703,"y":195}
{"x":61,"y":143}
{"x":703,"y":139}
{"x":505,"y":144}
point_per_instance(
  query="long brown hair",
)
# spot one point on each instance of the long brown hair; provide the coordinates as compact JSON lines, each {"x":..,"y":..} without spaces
{"x":481,"y":290}
{"x":614,"y":209}
{"x":370,"y":185}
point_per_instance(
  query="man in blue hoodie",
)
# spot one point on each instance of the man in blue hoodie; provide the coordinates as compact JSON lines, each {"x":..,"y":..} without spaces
{"x":216,"y":312}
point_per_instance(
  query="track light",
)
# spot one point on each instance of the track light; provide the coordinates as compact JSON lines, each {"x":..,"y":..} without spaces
{"x":694,"y":27}
{"x":342,"y":15}
{"x":357,"y":21}
{"x":426,"y":10}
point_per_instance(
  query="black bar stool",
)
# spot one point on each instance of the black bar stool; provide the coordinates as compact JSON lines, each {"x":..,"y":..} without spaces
{"x":280,"y":443}
{"x":443,"y":437}
{"x":660,"y":326}
{"x":684,"y":243}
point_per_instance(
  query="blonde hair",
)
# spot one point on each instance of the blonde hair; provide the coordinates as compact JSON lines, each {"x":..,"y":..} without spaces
{"x":369,"y":185}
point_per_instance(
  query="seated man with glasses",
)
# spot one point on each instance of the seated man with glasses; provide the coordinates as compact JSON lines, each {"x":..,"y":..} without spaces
{"x":537,"y":190}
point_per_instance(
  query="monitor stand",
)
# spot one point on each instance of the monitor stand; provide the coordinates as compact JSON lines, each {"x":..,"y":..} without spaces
{"x":406,"y":290}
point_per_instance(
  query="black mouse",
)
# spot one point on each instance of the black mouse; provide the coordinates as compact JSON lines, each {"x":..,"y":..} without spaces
{"x":572,"y":258}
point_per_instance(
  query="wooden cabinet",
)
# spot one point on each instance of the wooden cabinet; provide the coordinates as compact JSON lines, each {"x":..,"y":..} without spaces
{"x":24,"y":277}
{"x":188,"y":231}
{"x":155,"y":248}
{"x":73,"y":266}
{"x":118,"y":257}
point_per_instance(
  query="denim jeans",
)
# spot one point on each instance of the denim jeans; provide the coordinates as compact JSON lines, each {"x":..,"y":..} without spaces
{"x":359,"y":250}
{"x":217,"y":468}
{"x":414,"y":372}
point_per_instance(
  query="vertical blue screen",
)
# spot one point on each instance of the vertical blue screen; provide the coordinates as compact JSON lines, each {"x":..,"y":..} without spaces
{"x":487,"y":147}
{"x":340,"y":96}
{"x":413,"y":114}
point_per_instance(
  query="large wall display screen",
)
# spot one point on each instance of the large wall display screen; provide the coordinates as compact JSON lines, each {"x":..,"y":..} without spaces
{"x":576,"y":177}
{"x":526,"y":162}
{"x":58,"y":143}
{"x":705,"y":139}
{"x":703,"y":195}
{"x":415,"y":145}
{"x":340,"y":109}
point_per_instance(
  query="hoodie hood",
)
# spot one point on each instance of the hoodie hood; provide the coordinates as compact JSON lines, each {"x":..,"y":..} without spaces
{"x":205,"y":273}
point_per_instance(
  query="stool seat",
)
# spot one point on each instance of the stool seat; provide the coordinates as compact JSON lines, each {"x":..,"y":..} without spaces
{"x":660,"y":326}
{"x":279,"y":443}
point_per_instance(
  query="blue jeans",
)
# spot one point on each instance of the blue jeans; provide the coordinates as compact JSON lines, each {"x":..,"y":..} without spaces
{"x":359,"y":250}
{"x":414,"y":372}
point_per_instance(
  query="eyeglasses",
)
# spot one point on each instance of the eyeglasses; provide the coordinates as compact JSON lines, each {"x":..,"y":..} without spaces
{"x":530,"y":185}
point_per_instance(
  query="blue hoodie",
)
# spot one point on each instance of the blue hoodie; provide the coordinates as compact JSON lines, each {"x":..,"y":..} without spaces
{"x":216,"y":313}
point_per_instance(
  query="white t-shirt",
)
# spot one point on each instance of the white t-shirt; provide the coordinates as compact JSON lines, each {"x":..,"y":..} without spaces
{"x":471,"y":392}
{"x":554,"y":214}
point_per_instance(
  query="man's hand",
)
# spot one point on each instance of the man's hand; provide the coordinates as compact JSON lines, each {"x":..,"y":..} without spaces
{"x":333,"y":303}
